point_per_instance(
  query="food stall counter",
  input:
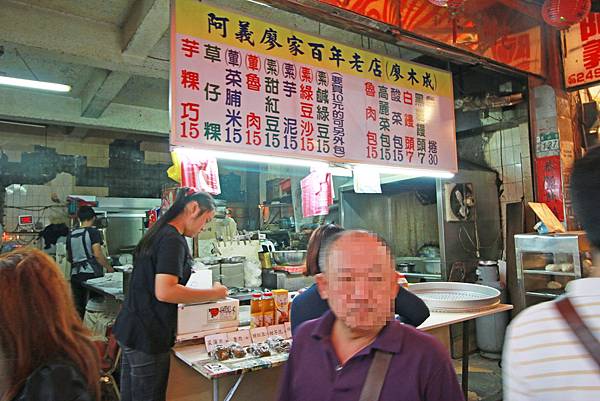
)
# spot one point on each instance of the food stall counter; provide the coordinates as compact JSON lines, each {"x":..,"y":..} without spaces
{"x":111,"y":284}
{"x":192,"y":368}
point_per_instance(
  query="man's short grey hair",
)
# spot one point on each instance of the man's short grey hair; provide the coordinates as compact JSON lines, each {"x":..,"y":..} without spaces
{"x":328,"y":244}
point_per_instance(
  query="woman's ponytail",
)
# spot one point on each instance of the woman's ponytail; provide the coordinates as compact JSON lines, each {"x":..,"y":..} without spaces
{"x":184,"y":196}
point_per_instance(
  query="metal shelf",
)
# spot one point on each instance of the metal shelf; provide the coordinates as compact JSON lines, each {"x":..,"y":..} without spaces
{"x":533,"y":251}
{"x":422,"y":275}
{"x":545,"y":294}
{"x":549,"y":273}
{"x":279,"y":205}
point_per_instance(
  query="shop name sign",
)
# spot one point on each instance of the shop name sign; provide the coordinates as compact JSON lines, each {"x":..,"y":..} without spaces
{"x":243,"y":85}
{"x":581,"y":53}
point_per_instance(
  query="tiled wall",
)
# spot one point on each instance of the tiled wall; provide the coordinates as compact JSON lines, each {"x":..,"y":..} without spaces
{"x":37,"y":201}
{"x":508,"y":153}
{"x":93,"y":166}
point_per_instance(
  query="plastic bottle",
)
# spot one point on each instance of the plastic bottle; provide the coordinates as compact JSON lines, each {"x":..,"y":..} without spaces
{"x":256,"y":313}
{"x":282,"y":306}
{"x":268,"y":309}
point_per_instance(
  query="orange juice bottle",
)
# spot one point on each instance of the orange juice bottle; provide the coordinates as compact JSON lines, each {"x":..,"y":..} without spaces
{"x":268,"y":309}
{"x":256,"y":313}
{"x":282,"y":306}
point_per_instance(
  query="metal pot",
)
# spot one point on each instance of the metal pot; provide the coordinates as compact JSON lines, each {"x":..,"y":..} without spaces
{"x":210,"y":260}
{"x":289,"y":258}
{"x":233,"y":259}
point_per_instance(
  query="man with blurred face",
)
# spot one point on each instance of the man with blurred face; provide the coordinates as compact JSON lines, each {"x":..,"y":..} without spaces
{"x":331,"y":356}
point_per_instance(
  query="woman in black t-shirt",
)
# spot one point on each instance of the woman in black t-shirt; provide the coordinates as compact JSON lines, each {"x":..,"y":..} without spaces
{"x":146,"y":326}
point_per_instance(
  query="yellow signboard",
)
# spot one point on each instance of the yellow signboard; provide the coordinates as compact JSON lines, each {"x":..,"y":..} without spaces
{"x":228,"y":28}
{"x":240,"y":84}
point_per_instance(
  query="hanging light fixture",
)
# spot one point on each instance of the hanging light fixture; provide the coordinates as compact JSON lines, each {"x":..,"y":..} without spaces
{"x":454,"y":9}
{"x":447,"y":3}
{"x":562,"y":14}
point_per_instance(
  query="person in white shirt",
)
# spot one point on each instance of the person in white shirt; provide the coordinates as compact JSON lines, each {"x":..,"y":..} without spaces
{"x":543,"y":358}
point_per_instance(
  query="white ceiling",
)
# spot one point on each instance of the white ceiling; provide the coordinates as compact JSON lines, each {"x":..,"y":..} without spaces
{"x":114,"y":54}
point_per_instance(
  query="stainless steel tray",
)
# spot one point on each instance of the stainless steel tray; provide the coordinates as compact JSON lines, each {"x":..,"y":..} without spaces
{"x":456,"y":297}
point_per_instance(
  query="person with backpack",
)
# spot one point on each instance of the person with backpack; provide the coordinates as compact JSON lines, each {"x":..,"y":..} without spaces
{"x":84,"y":252}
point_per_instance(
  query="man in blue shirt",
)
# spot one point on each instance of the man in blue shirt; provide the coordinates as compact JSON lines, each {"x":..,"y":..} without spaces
{"x":331,"y":356}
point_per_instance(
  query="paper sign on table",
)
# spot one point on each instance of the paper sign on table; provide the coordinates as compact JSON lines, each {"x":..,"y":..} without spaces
{"x":241,"y":337}
{"x":544,"y":213}
{"x":214,"y":340}
{"x":259,"y":334}
{"x":216,"y":367}
{"x":276,"y":330}
{"x":200,"y":280}
{"x":288,"y":329}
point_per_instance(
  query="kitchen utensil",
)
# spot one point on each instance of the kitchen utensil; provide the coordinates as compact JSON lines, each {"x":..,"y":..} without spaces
{"x":233,"y":259}
{"x":419,"y":264}
{"x":125,"y":259}
{"x":289,"y":258}
{"x":432,"y":266}
{"x":265,"y":260}
{"x":211,"y":260}
{"x":429,"y":251}
{"x":456,"y":297}
{"x":487,"y":271}
{"x":295,"y":269}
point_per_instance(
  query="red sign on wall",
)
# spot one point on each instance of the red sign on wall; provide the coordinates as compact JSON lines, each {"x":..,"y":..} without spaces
{"x":582,"y":52}
{"x":549,"y":184}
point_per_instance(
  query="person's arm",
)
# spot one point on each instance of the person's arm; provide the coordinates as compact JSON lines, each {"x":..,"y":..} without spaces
{"x":171,"y":262}
{"x":411,"y":308}
{"x":96,"y":239}
{"x":97,"y":251}
{"x":168,"y":289}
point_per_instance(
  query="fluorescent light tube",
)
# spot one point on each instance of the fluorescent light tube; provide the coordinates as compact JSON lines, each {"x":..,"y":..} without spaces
{"x":248,"y":157}
{"x":409,"y":171}
{"x":27,"y":83}
{"x":290,"y":161}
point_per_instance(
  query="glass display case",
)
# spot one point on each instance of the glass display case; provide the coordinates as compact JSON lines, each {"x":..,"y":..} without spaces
{"x":547,"y":263}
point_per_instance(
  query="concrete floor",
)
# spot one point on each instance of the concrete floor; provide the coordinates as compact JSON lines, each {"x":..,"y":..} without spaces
{"x":485,"y":378}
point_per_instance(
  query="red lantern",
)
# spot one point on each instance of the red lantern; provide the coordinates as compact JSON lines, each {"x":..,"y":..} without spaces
{"x":447,"y":3}
{"x":562,"y":14}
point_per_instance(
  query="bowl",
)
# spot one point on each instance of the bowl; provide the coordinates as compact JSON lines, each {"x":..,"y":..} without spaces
{"x":289,"y":258}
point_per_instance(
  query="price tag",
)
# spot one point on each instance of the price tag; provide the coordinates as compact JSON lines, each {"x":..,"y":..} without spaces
{"x":214,"y":340}
{"x":241,"y":337}
{"x":259,"y":334}
{"x":288,"y":330}
{"x":276,"y":330}
{"x":215,"y":368}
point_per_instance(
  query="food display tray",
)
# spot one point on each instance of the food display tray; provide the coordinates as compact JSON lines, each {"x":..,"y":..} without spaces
{"x":456,"y":297}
